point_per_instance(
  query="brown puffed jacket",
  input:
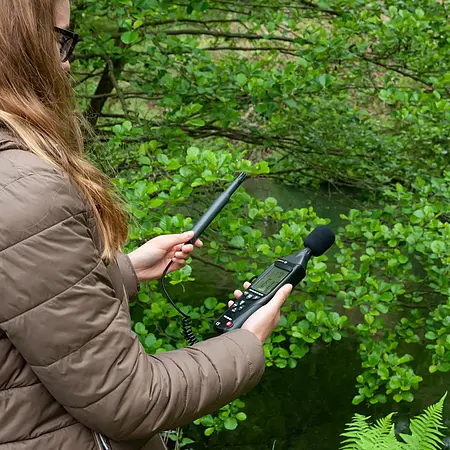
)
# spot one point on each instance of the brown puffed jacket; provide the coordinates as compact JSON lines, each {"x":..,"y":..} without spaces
{"x":71,"y":369}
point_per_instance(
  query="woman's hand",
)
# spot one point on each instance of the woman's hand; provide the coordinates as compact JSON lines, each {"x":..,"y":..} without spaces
{"x":151,"y":258}
{"x":263,"y":321}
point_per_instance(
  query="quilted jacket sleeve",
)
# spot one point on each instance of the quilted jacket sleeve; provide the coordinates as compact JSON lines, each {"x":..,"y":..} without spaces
{"x":129,"y":277}
{"x":59,"y":309}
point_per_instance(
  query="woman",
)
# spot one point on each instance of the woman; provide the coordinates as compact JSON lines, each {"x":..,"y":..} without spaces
{"x":72,"y":374}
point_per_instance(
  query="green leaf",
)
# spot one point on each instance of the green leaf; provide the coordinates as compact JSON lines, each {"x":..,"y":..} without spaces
{"x":237,"y":241}
{"x":357,"y":399}
{"x":384,"y":309}
{"x":143,"y":297}
{"x":173,"y":165}
{"x":211,"y":302}
{"x":323,"y":79}
{"x":241,"y":416}
{"x":302,"y":62}
{"x":163,"y":159}
{"x":408,"y":396}
{"x":150,"y":340}
{"x":386,"y":296}
{"x":444,"y":367}
{"x":271,"y":202}
{"x":209,"y":431}
{"x":241,"y":79}
{"x":336,"y":335}
{"x":129,"y":37}
{"x":438,"y":246}
{"x":263,"y":248}
{"x":394,"y":383}
{"x":403,"y":259}
{"x":252,"y":213}
{"x":383,"y":372}
{"x":196,"y":123}
{"x":420,"y":13}
{"x":155,"y":202}
{"x":140,"y":328}
{"x":192,"y":154}
{"x":146,"y":4}
{"x":230,"y":423}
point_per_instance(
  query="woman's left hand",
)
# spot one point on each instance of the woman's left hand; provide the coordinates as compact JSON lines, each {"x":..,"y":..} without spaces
{"x":151,"y":258}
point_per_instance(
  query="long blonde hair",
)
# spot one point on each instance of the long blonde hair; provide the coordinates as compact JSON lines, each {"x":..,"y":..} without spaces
{"x":37,"y":106}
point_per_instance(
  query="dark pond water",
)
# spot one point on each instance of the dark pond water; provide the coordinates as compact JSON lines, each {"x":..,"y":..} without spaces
{"x":306,"y":407}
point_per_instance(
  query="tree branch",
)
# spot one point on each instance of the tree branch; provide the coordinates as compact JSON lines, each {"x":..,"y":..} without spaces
{"x":251,"y":49}
{"x":230,"y":35}
{"x":307,"y":5}
{"x":210,"y":263}
{"x":106,"y":84}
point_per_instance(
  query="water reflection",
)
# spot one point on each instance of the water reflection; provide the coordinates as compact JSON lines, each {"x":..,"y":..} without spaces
{"x":308,"y":407}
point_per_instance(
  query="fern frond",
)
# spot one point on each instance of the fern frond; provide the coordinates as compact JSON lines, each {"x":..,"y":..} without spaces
{"x":425,"y":434}
{"x":363,"y":436}
{"x":385,"y":426}
{"x":357,"y":428}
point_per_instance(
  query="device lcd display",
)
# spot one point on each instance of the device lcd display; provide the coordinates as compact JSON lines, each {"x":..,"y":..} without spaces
{"x":273,"y":277}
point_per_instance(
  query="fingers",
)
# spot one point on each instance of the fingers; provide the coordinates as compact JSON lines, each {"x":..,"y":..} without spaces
{"x":188,"y":235}
{"x":171,"y":240}
{"x":237,"y":293}
{"x":230,"y":303}
{"x":280,"y":297}
{"x":182,"y":252}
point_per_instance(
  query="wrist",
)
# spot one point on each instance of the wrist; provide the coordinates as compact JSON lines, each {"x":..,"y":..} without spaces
{"x":129,"y":276}
{"x":135,"y":264}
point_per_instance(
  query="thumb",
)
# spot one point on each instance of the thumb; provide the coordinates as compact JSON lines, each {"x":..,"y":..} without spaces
{"x":280,"y":297}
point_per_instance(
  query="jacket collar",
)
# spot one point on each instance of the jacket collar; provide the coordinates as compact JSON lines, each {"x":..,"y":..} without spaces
{"x":8,"y":141}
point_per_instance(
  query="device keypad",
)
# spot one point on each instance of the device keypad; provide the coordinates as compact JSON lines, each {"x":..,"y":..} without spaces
{"x":242,"y":303}
{"x":252,"y":295}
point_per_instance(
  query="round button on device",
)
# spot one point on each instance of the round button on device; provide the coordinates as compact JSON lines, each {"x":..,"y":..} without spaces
{"x":229,"y":324}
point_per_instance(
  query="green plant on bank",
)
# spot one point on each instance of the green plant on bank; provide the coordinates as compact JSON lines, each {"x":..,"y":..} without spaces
{"x":425,"y":432}
{"x":387,"y":259}
{"x":187,"y":94}
{"x":396,"y":262}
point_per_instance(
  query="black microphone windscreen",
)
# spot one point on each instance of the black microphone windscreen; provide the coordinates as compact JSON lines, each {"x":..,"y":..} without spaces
{"x":320,"y":240}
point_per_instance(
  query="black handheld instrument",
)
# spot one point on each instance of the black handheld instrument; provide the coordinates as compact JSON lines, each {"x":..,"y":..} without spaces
{"x":291,"y":269}
{"x":199,"y":228}
{"x":216,"y":207}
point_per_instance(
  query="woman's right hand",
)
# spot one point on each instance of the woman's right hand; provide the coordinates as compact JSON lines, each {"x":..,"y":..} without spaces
{"x":262,"y":322}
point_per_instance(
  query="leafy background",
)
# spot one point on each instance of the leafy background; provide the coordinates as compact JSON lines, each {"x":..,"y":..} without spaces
{"x":342,"y":97}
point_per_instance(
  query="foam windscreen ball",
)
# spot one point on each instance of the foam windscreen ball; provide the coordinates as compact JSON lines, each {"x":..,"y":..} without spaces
{"x":320,"y":240}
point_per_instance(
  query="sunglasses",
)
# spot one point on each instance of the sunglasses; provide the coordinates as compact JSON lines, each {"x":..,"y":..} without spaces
{"x":67,"y":42}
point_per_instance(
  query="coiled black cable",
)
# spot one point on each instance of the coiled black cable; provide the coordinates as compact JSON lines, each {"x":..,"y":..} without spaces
{"x":186,"y":323}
